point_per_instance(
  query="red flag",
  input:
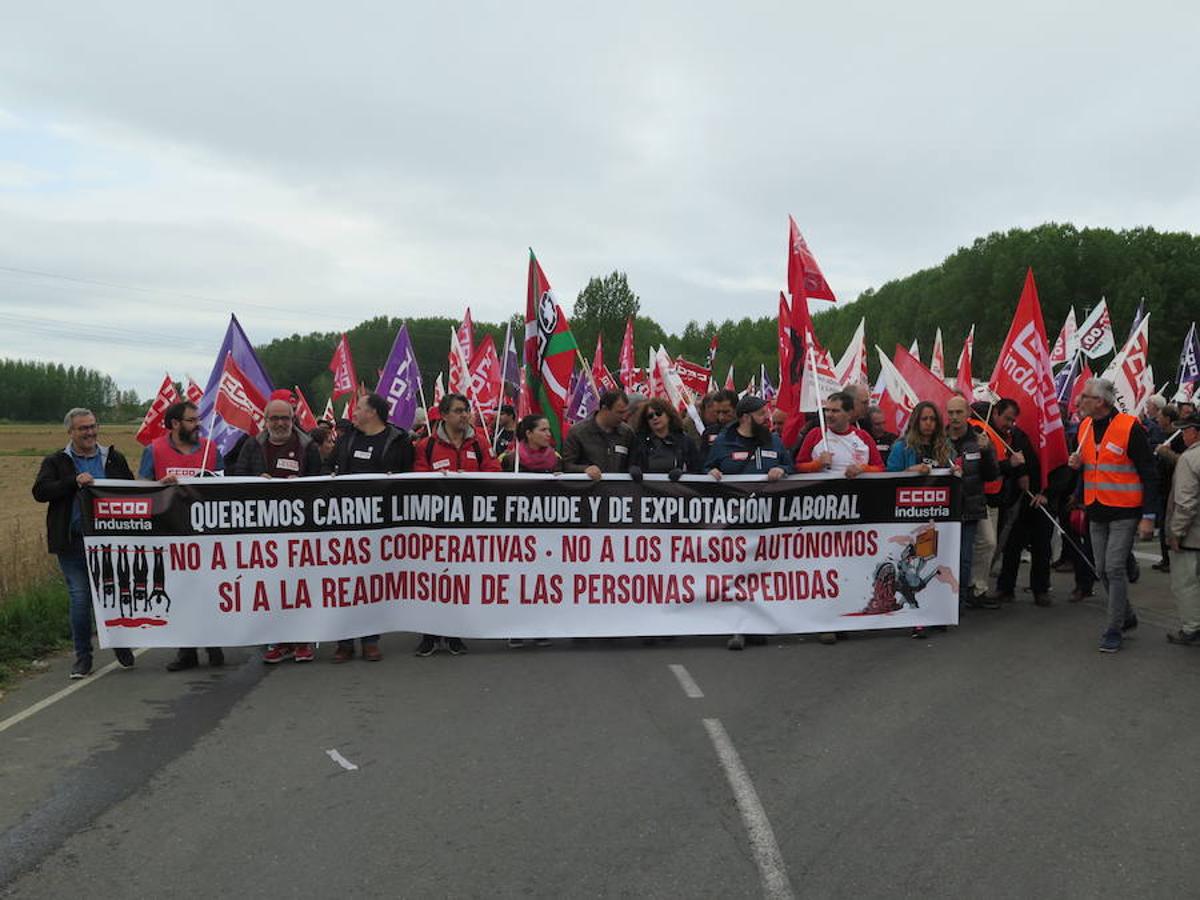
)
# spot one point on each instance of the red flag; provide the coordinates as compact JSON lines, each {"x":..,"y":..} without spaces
{"x":804,"y":275}
{"x":965,"y":384}
{"x":328,"y":415}
{"x":486,"y":383}
{"x":788,"y":377}
{"x":897,"y":397}
{"x":729,"y":385}
{"x":238,"y":401}
{"x":937,"y":362}
{"x":193,"y":391}
{"x":712,"y":353}
{"x":304,"y":415}
{"x":927,"y":385}
{"x":345,"y":381}
{"x":1085,"y":374}
{"x":601,"y":377}
{"x":1023,"y":373}
{"x":466,"y":335}
{"x":694,"y":377}
{"x":626,"y":361}
{"x":152,"y":425}
{"x":348,"y":410}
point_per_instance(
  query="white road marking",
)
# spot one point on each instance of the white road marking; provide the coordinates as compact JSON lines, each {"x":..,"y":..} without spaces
{"x":65,"y":692}
{"x":341,"y":760}
{"x":1149,"y":557}
{"x":762,"y":837}
{"x":686,"y":681}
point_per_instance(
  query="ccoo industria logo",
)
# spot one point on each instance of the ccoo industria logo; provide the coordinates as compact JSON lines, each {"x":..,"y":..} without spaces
{"x":923,"y":502}
{"x":122,"y":513}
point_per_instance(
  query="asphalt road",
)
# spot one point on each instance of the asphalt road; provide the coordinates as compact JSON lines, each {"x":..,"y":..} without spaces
{"x":1005,"y":758}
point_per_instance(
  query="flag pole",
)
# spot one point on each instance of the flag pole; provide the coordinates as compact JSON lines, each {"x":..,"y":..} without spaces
{"x":212,"y":421}
{"x":588,"y":371}
{"x":809,"y":361}
{"x":507,"y":335}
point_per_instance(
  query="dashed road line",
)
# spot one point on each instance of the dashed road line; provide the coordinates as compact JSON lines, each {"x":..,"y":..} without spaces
{"x":762,"y":837}
{"x":686,"y":681}
{"x":341,"y":760}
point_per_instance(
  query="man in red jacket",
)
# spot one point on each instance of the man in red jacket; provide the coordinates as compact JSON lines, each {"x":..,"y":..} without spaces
{"x":453,"y":446}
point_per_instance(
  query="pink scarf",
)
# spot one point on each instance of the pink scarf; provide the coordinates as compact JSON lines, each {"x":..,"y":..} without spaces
{"x":544,"y":460}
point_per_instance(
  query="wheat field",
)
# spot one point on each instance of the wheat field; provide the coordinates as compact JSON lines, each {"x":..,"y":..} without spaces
{"x":23,"y":556}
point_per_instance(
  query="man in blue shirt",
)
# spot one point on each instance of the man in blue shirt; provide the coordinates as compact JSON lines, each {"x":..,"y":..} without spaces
{"x":58,"y":481}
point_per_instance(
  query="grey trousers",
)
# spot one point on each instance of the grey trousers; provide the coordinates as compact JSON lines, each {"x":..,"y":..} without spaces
{"x":1111,"y":543}
{"x":1185,"y":585}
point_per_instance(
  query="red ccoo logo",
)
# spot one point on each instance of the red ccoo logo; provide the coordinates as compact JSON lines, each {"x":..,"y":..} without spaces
{"x":122,"y":508}
{"x":922,"y":496}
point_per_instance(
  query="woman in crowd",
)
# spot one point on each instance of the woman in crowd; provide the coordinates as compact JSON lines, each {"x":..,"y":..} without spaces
{"x":660,"y":444}
{"x":533,"y":449}
{"x":924,"y":446}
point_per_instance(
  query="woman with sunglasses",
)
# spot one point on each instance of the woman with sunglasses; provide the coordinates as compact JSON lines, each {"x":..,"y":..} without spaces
{"x":660,"y":444}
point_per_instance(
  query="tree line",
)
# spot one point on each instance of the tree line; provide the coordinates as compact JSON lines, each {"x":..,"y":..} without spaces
{"x":42,"y":392}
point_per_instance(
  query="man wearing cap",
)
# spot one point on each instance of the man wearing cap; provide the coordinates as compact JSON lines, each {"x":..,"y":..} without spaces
{"x":1120,"y":481}
{"x":747,"y":446}
{"x":281,"y":450}
{"x":1183,"y":535}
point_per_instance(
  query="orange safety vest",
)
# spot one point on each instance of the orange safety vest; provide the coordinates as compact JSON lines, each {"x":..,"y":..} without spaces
{"x":1109,"y":476}
{"x":992,"y":487}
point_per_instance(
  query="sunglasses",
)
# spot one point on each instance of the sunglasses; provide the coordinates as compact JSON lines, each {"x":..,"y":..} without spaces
{"x":653,"y":414}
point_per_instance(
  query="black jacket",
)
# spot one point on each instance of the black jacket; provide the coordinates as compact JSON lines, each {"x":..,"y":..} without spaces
{"x":978,"y":460}
{"x":675,"y":451}
{"x":55,"y":484}
{"x":397,"y":452}
{"x":252,"y":461}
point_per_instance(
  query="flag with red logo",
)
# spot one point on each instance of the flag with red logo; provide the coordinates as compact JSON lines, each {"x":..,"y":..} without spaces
{"x":937,"y":364}
{"x":626,"y":362}
{"x":1130,"y":372}
{"x":897,"y":398}
{"x":804,"y":275}
{"x":466,"y":335}
{"x":439,"y":391}
{"x":1067,"y":343}
{"x":965,"y":383}
{"x":1023,"y":373}
{"x":238,"y":401}
{"x":712,"y":353}
{"x":729,"y":383}
{"x":550,"y":349}
{"x":486,"y":384}
{"x":601,"y":377}
{"x":152,"y":425}
{"x":193,"y":392}
{"x":852,"y":367}
{"x":693,"y":375}
{"x":1095,"y":335}
{"x":345,"y":380}
{"x":927,"y":385}
{"x":458,"y":380}
{"x":304,"y":414}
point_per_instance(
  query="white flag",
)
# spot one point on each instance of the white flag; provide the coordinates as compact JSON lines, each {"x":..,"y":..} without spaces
{"x":1095,"y":335}
{"x":1130,"y":372}
{"x":852,"y":367}
{"x":937,"y":365}
{"x":1067,"y":344}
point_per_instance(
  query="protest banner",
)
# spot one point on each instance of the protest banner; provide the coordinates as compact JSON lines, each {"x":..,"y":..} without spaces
{"x":238,"y":561}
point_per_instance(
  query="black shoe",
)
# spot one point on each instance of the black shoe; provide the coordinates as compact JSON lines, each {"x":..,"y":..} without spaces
{"x":1079,"y":594}
{"x":124,"y":657}
{"x":186,"y":659}
{"x":1131,"y":622}
{"x":427,"y":646}
{"x":456,"y":646}
{"x":1042,"y":598}
{"x":1163,"y":566}
{"x":216,"y":657}
{"x":82,"y":668}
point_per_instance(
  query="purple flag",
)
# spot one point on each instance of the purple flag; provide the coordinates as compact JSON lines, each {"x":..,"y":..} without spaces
{"x":510,"y":369}
{"x":400,"y":381}
{"x":236,"y":343}
{"x":582,"y":401}
{"x":1189,"y":366}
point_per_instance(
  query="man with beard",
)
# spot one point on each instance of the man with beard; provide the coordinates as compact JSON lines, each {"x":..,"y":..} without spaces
{"x":182,"y":453}
{"x":748,"y":447}
{"x":281,"y":451}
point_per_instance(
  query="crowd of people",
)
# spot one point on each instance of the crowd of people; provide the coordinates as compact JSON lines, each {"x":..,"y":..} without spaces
{"x":1126,"y":475}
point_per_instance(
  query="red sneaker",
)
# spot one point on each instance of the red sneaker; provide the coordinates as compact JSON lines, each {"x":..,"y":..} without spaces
{"x":304,"y":653}
{"x":371,"y":653}
{"x":277,"y":653}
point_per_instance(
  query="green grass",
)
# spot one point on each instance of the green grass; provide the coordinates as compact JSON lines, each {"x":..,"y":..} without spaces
{"x":27,"y":451}
{"x":33,"y":622}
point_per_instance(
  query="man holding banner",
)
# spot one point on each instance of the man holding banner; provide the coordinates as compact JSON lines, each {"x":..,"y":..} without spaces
{"x":181,"y":452}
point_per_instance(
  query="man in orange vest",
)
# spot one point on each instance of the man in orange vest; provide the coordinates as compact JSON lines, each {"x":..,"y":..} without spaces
{"x":1120,"y":481}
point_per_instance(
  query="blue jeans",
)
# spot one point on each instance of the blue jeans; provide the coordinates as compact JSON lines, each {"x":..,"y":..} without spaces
{"x":1111,"y":544}
{"x":79,"y":591}
{"x":966,"y":556}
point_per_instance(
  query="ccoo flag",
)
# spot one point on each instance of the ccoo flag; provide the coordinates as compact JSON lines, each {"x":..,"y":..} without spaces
{"x":1023,"y":373}
{"x":1189,"y":366}
{"x":225,"y":434}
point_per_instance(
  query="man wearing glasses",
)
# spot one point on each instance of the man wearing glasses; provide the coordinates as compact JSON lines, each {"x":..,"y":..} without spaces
{"x":58,"y":481}
{"x":453,"y":446}
{"x":181,"y":452}
{"x":1120,"y":481}
{"x":281,"y":451}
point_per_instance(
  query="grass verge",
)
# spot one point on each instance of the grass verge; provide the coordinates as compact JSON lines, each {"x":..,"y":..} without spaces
{"x":33,"y":621}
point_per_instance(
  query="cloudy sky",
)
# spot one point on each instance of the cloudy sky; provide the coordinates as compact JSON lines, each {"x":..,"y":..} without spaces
{"x":311,"y":165}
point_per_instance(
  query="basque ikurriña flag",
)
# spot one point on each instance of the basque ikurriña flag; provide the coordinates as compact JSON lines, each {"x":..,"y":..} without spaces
{"x":550,"y":349}
{"x":400,"y":381}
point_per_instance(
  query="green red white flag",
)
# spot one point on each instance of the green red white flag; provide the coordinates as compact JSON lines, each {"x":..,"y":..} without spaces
{"x":550,"y":349}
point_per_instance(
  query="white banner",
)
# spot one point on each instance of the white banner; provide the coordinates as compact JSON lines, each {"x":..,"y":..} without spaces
{"x":224,"y":562}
